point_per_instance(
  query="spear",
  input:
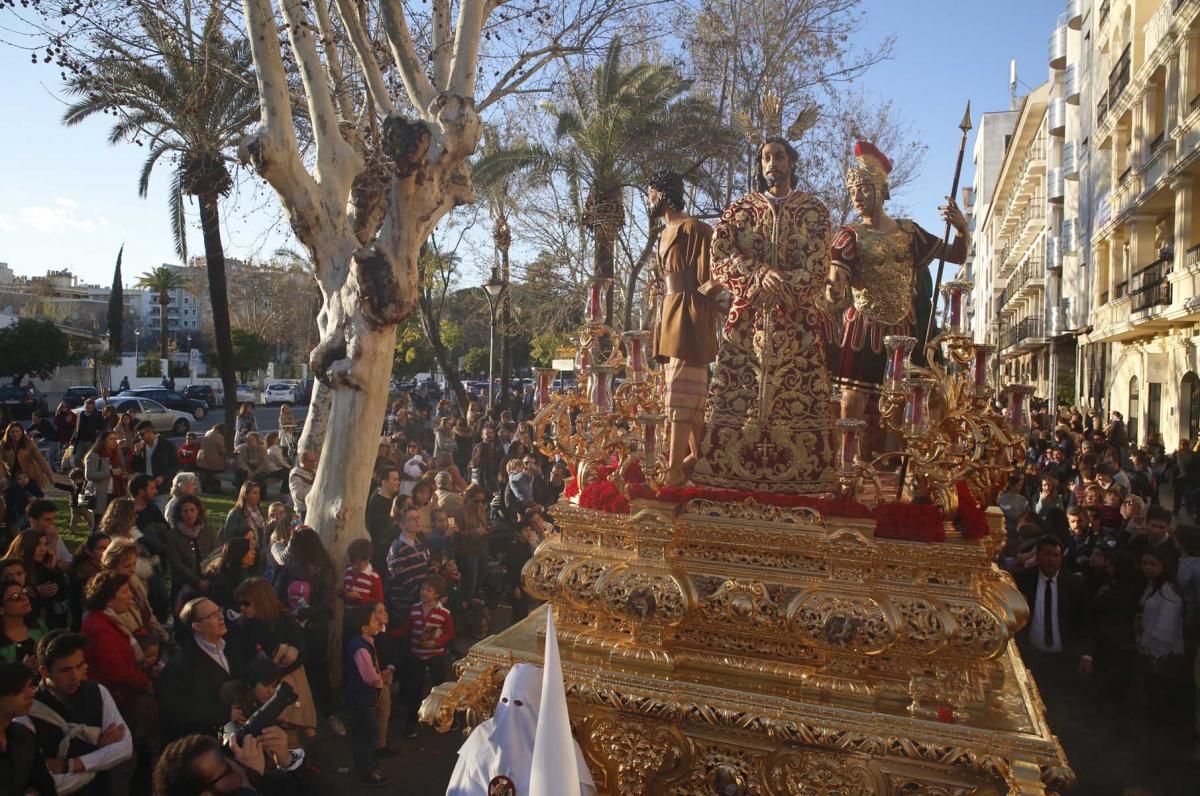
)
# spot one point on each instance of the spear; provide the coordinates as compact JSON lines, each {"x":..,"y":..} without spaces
{"x":965,"y":126}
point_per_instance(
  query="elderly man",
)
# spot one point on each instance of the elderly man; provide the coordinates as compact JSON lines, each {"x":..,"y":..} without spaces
{"x":190,"y":687}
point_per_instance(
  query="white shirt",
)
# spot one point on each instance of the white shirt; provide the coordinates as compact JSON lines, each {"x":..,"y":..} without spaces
{"x":214,"y":651}
{"x":102,"y":759}
{"x":1162,"y":622}
{"x":1037,"y":632}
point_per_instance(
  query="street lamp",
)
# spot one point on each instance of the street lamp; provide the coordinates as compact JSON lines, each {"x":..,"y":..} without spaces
{"x":137,"y":339}
{"x":493,"y":288}
{"x":191,"y":365}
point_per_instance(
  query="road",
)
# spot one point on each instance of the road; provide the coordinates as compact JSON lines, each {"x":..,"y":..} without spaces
{"x":267,"y":417}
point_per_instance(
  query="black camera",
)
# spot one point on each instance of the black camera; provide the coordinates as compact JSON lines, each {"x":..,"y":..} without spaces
{"x":269,"y":713}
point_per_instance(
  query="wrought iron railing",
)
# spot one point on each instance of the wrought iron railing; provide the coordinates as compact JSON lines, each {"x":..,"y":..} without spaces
{"x":1120,"y":289}
{"x":1118,"y":78}
{"x":1101,"y":108}
{"x":1030,"y":328}
{"x":1104,"y":8}
{"x":1149,"y":287}
{"x":1191,"y":257}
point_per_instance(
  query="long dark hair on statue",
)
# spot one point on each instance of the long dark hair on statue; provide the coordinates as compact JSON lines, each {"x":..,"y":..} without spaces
{"x":670,"y":185}
{"x":760,"y":180}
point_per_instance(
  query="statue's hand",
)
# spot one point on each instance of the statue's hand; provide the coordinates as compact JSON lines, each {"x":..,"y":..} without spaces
{"x":836,"y":286}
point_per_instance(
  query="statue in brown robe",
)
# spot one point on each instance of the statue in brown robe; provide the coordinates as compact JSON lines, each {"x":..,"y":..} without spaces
{"x":685,"y":339}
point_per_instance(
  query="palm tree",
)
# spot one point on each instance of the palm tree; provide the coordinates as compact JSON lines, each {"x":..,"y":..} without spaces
{"x":621,"y":126}
{"x":162,"y":281}
{"x":192,"y":102}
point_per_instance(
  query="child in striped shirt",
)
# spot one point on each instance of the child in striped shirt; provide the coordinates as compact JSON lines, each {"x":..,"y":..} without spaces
{"x":362,"y":583}
{"x":430,"y":630}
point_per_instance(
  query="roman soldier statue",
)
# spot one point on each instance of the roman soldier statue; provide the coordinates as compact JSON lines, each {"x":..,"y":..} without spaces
{"x":884,"y":262}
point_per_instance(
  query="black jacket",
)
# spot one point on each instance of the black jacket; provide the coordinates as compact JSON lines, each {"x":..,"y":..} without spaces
{"x":1071,"y":604}
{"x":87,"y":430}
{"x":164,"y":459}
{"x":189,"y":691}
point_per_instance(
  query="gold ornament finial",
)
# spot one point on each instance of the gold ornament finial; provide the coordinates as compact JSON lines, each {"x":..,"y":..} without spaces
{"x":965,"y":124}
{"x":772,"y":114}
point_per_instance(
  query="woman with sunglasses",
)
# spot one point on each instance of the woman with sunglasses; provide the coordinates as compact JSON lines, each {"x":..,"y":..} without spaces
{"x":265,"y":627}
{"x":20,"y":629}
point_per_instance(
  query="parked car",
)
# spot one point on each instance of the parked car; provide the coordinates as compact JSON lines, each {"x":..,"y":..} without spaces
{"x":278,"y":393}
{"x":164,"y":420}
{"x":170,"y":399}
{"x":246,"y":394}
{"x":202,"y":392}
{"x":304,"y":391}
{"x":21,"y":401}
{"x":75,"y":396}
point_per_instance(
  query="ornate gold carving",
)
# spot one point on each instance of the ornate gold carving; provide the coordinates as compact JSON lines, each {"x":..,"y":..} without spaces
{"x":751,"y":509}
{"x":811,"y":773}
{"x":642,"y":595}
{"x":853,"y":624}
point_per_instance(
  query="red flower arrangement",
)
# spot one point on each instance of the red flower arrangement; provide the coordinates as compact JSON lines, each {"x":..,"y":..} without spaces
{"x":604,"y":496}
{"x":970,"y":520}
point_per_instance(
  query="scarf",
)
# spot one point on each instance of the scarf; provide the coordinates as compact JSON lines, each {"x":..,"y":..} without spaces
{"x":116,"y":619}
{"x":116,"y":459}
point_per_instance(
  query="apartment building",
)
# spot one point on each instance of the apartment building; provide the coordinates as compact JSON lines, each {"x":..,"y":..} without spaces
{"x":1140,"y":354}
{"x":1030,"y":267}
{"x":992,"y":136}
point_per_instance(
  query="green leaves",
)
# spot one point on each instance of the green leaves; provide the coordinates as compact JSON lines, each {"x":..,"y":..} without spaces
{"x":34,"y":347}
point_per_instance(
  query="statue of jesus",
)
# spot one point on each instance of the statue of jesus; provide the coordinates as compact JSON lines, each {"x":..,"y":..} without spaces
{"x":769,"y":420}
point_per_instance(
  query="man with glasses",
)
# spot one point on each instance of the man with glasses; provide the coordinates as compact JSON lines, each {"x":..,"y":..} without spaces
{"x":199,"y":765}
{"x":190,"y":687}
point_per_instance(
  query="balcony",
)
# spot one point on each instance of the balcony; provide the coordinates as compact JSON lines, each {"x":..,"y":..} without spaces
{"x":1120,"y":290}
{"x":1156,"y":29}
{"x":1054,"y":185}
{"x":1070,"y":166}
{"x":1150,"y":288}
{"x":1101,"y":108}
{"x":1056,"y":116}
{"x":1118,"y":78}
{"x":1074,"y":14}
{"x":1030,"y":330}
{"x":1069,"y":236}
{"x":1191,"y":258}
{"x":1058,"y":45}
{"x":1071,"y":85}
{"x":1103,"y":15}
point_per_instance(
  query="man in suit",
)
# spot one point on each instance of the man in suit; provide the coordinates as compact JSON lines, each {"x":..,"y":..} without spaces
{"x":190,"y":687}
{"x":155,"y":456}
{"x":1052,"y":640}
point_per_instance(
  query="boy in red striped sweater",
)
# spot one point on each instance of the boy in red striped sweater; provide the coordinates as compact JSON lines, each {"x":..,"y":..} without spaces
{"x":430,"y":629}
{"x":362,"y":584}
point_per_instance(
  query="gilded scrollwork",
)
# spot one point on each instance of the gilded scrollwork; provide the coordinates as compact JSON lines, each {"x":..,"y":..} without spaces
{"x":643,"y":595}
{"x":633,"y":754}
{"x":852,"y":623}
{"x":751,"y":509}
{"x":742,"y":602}
{"x":805,"y":772}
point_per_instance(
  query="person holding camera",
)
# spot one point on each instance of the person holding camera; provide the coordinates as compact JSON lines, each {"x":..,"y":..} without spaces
{"x":199,"y":765}
{"x":190,"y":686}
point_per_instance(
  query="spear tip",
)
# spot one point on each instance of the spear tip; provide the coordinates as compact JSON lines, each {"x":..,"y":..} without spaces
{"x":965,"y":124}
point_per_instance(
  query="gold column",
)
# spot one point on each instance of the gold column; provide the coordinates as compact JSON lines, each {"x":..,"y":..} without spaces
{"x":1139,"y":132}
{"x":1182,"y":186}
{"x":1171,"y":94}
{"x":1187,"y":81}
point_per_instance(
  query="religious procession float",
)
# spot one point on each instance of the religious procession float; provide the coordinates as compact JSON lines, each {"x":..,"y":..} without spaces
{"x":783,"y":582}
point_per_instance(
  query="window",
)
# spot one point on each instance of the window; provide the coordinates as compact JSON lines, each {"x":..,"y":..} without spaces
{"x":1131,"y":422}
{"x":1153,"y":408}
{"x":1189,"y":406}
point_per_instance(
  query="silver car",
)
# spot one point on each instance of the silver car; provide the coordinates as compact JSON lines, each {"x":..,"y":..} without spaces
{"x":165,"y":421}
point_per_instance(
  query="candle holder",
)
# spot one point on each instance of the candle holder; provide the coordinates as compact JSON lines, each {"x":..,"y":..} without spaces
{"x":599,"y":392}
{"x":899,"y":350}
{"x":849,"y":454}
{"x":1015,"y":406}
{"x":981,"y":367}
{"x":916,"y":407}
{"x":955,"y":294}
{"x":545,"y":386}
{"x":636,"y":361}
{"x":597,"y":305}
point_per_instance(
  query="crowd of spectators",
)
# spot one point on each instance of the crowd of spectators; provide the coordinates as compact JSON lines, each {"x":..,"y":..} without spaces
{"x":1110,"y":571}
{"x":166,"y":628}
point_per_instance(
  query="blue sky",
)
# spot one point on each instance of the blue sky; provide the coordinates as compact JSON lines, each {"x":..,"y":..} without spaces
{"x":68,"y":199}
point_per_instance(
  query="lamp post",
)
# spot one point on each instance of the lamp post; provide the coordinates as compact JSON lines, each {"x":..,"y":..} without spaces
{"x":137,"y":339}
{"x":493,"y":288}
{"x":191,"y":365}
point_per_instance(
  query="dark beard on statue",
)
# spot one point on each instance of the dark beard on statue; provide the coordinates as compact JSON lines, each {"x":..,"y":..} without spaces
{"x":659,"y":208}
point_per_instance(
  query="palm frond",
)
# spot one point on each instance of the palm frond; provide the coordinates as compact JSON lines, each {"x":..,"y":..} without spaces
{"x":178,"y":220}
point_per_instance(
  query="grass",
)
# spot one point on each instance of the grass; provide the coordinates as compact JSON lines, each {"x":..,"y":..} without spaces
{"x":217,"y":506}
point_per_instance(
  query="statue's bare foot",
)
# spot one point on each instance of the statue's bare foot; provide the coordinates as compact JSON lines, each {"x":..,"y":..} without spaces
{"x":676,"y":477}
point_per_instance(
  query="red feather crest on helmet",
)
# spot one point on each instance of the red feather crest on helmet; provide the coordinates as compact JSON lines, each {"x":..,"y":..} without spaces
{"x":865,"y":149}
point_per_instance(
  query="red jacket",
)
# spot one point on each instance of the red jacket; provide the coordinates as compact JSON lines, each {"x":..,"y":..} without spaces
{"x":187,"y":454}
{"x":109,"y":655}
